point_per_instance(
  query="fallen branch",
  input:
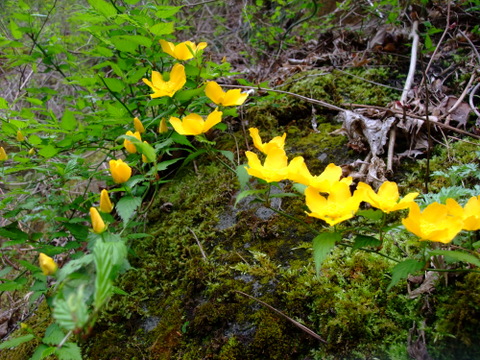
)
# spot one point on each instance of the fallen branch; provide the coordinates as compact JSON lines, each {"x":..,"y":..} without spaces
{"x":294,"y":322}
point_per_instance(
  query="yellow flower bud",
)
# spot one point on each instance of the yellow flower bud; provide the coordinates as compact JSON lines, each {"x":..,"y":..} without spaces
{"x":128,"y":144}
{"x":97,"y":222}
{"x":3,"y":154}
{"x":121,"y":172}
{"x":138,"y":125}
{"x":105,"y":204}
{"x":47,"y":264}
{"x":20,"y":136}
{"x":31,"y":151}
{"x":163,"y":128}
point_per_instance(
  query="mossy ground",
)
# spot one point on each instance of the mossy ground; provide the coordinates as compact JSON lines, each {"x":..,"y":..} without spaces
{"x":184,"y":305}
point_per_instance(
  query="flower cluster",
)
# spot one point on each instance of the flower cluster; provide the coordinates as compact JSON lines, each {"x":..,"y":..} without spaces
{"x":329,"y":198}
{"x":191,"y":124}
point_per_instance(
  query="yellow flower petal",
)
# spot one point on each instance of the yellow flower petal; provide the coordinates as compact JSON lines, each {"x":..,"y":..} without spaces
{"x":435,"y":223}
{"x":138,"y":125}
{"x":194,"y":124}
{"x":329,"y":177}
{"x":183,"y":51}
{"x":47,"y":264}
{"x":106,"y":205}
{"x":163,"y":128}
{"x":298,"y":171}
{"x":3,"y":154}
{"x":230,"y":98}
{"x":131,"y":148}
{"x":275,"y":167}
{"x":278,"y":141}
{"x":120,"y":171}
{"x":98,"y":224}
{"x":160,"y":87}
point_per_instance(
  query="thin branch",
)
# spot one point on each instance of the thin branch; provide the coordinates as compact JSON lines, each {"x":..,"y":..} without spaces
{"x":294,"y":322}
{"x":199,"y":244}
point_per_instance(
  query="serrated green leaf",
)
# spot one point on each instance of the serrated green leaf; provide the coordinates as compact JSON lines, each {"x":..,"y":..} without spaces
{"x":365,"y":241}
{"x":130,"y":43}
{"x":15,"y":342}
{"x":162,"y":28}
{"x":5,"y":271}
{"x":73,"y":265}
{"x":187,"y":95}
{"x":166,"y":11}
{"x":371,"y":214}
{"x":114,"y":85}
{"x":48,"y":151}
{"x":15,"y":30}
{"x":403,"y":269}
{"x":127,"y":206}
{"x":71,"y":313}
{"x":322,"y":245}
{"x":53,"y":335}
{"x":458,"y":256}
{"x":40,"y":350}
{"x":242,"y":195}
{"x":181,"y":139}
{"x":3,"y":103}
{"x":103,"y":7}
{"x":68,"y":121}
{"x":69,"y":351}
{"x":242,"y":175}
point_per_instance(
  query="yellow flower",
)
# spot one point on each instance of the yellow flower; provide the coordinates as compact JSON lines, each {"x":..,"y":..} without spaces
{"x":278,"y":141}
{"x":131,"y":148}
{"x":106,"y":205}
{"x":3,"y":154}
{"x":20,"y":136}
{"x":97,"y":222}
{"x":435,"y":223}
{"x":340,"y":205}
{"x":386,"y":199}
{"x":121,"y":172}
{"x":298,"y":171}
{"x":138,"y":125}
{"x":47,"y":264}
{"x":230,"y":98}
{"x":470,"y":213}
{"x":183,"y":51}
{"x":194,"y":124}
{"x":328,"y":178}
{"x":275,"y":167}
{"x":163,"y":128}
{"x":160,"y":87}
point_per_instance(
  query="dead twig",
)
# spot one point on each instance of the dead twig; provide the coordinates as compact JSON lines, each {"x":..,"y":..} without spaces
{"x":294,"y":322}
{"x":199,"y":244}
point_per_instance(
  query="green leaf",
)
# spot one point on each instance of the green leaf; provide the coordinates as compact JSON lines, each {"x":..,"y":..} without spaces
{"x":187,"y":95}
{"x":242,"y":195}
{"x":48,"y":151}
{"x":127,"y":206}
{"x":242,"y":175}
{"x":403,"y":269}
{"x":15,"y":30}
{"x":69,"y":351}
{"x":458,"y":256}
{"x":53,"y":335}
{"x":130,"y":43}
{"x":103,"y":7}
{"x":68,"y":121}
{"x":114,"y":85}
{"x":73,"y":312}
{"x":72,"y":266}
{"x":322,"y":245}
{"x":42,"y":351}
{"x":15,"y":342}
{"x":228,"y":154}
{"x":371,"y":214}
{"x":3,"y":103}
{"x":164,"y":12}
{"x":162,"y":28}
{"x":5,"y":271}
{"x":145,"y":149}
{"x":364,"y":241}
